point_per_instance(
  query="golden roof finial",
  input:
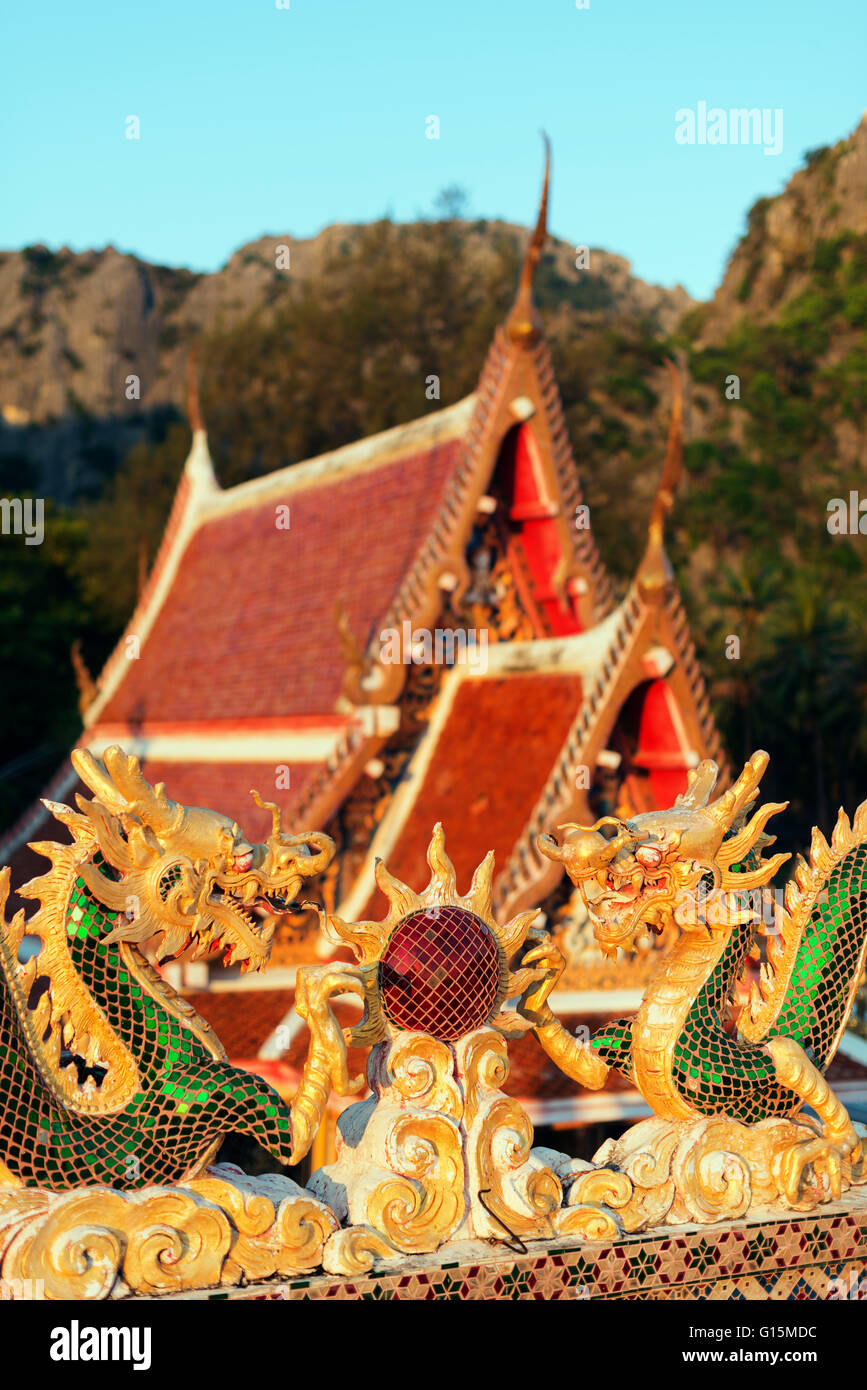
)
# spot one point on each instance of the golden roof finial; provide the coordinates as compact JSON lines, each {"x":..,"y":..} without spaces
{"x":523,"y":324}
{"x":199,"y":468}
{"x":356,"y":665}
{"x":86,"y":685}
{"x":655,"y":574}
{"x":194,"y":413}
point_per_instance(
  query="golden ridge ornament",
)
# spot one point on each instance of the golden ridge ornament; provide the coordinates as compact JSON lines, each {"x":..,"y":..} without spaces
{"x":98,"y":1206}
{"x":438,"y":1153}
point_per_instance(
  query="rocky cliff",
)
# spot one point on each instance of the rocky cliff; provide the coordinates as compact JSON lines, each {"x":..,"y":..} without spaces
{"x":93,"y":345}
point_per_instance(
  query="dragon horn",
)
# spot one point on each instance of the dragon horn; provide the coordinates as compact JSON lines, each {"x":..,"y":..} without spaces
{"x":276,"y":813}
{"x":728,"y":807}
{"x":122,"y":786}
{"x":603,"y":820}
{"x":94,"y":776}
{"x":700,"y":783}
{"x":317,"y":850}
{"x":323,"y":845}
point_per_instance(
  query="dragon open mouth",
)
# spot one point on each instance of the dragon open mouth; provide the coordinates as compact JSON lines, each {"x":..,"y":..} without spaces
{"x":243,"y":920}
{"x":626,"y":904}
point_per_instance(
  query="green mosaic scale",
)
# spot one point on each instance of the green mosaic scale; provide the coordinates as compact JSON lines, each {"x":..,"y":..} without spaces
{"x":187,"y":1099}
{"x":107,"y":1075}
{"x":718,"y":1072}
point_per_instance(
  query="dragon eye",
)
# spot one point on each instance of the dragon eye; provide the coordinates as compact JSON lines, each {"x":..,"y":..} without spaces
{"x":242,"y":859}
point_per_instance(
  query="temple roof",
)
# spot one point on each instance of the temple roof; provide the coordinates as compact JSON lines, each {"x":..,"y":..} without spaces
{"x":238,"y":618}
{"x":254,"y":656}
{"x":480,"y":769}
{"x":224,"y":696}
{"x":258,"y":635}
{"x":247,"y":626}
{"x":492,"y":739}
{"x":497,"y":762}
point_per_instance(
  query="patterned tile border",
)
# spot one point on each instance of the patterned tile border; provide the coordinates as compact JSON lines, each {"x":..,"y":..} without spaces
{"x":767,"y":1259}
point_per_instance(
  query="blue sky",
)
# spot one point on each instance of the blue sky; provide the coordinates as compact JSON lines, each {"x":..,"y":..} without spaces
{"x":256,"y":119}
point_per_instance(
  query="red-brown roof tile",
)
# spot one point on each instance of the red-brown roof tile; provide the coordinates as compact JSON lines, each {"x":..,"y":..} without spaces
{"x":492,"y":758}
{"x":243,"y":1018}
{"x":845,"y":1068}
{"x":248,"y":628}
{"x":533,"y":1076}
{"x":225,"y":787}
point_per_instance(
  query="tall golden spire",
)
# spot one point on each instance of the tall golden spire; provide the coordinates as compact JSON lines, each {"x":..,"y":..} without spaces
{"x":523,"y":324}
{"x":655,"y":574}
{"x":194,"y":412}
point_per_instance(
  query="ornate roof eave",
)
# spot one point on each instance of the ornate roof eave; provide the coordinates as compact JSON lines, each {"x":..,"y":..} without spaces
{"x":363,"y":739}
{"x":517,"y":385}
{"x":511,"y":381}
{"x":581,"y":654}
{"x":527,"y":876}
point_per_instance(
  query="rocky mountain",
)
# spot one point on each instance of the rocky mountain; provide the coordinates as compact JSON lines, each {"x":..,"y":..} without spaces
{"x":93,"y":345}
{"x":774,"y":262}
{"x":779,"y":356}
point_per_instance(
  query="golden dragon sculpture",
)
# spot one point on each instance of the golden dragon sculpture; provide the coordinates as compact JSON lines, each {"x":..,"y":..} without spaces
{"x":719,"y":1087}
{"x":108,"y":1075}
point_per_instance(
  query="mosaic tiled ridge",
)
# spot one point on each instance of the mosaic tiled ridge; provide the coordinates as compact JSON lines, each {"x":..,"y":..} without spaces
{"x":810,"y":1257}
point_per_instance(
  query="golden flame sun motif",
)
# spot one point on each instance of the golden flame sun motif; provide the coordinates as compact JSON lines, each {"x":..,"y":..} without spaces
{"x":370,"y":942}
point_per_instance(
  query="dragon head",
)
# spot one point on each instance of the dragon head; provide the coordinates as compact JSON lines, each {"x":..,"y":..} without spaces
{"x":183,"y":878}
{"x":645,"y":873}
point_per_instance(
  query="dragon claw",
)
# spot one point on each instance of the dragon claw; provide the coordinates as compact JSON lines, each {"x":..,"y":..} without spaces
{"x":316,"y":987}
{"x":820,"y":1159}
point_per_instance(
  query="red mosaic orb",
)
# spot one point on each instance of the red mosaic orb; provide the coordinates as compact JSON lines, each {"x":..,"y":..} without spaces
{"x":440,"y":973}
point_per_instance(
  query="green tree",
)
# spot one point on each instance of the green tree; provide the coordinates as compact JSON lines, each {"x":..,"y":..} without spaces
{"x":43,"y":612}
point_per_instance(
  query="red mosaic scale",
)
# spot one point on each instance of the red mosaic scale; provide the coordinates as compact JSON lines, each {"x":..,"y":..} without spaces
{"x":440,"y":973}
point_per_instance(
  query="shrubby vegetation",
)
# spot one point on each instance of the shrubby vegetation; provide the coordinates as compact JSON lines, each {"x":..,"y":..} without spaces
{"x":759,"y":489}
